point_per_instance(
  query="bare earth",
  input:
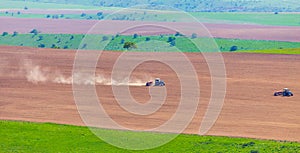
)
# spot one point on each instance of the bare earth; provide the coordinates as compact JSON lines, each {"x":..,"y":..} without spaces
{"x":250,"y":109}
{"x":236,"y":31}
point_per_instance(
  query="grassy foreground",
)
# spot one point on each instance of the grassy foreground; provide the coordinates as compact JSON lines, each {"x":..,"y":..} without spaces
{"x":144,"y":43}
{"x":47,"y":137}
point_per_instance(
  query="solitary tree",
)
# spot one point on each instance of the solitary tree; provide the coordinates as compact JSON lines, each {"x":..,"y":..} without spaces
{"x":83,"y":15}
{"x":55,"y":47}
{"x":41,"y":45}
{"x":122,"y":41}
{"x":99,"y":13}
{"x":34,"y":31}
{"x":4,"y":33}
{"x":233,"y":48}
{"x":40,"y":38}
{"x":170,"y":39}
{"x":100,"y":17}
{"x":104,"y":38}
{"x":178,"y":34}
{"x":15,"y":33}
{"x":194,"y":35}
{"x":135,"y":36}
{"x":129,"y":45}
{"x":173,"y":43}
{"x":55,"y":16}
{"x":148,"y":39}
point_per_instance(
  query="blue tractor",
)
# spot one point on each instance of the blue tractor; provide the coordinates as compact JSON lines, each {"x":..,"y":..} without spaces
{"x":285,"y":93}
{"x":157,"y":82}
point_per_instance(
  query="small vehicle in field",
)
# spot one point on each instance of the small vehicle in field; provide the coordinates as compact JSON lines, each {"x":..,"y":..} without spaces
{"x":285,"y":93}
{"x":157,"y":82}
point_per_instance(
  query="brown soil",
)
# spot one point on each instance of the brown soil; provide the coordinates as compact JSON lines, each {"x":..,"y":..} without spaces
{"x":250,"y":109}
{"x":238,"y":31}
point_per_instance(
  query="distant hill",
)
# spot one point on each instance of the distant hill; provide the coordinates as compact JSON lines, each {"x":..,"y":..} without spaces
{"x":196,"y":5}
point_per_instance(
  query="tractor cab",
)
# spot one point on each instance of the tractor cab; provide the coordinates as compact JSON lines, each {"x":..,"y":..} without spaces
{"x":159,"y":82}
{"x":287,"y":92}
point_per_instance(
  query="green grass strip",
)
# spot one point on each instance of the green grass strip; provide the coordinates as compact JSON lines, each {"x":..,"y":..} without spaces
{"x":159,"y":43}
{"x":47,"y":137}
{"x":292,"y":51}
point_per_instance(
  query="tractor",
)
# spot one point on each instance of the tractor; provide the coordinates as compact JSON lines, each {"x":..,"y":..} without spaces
{"x":157,"y":82}
{"x":285,"y":93}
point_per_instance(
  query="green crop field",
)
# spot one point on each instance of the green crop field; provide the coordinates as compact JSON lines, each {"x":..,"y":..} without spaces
{"x":47,"y":137}
{"x":9,"y":4}
{"x":293,"y":51}
{"x":281,"y":19}
{"x":269,"y":18}
{"x":20,"y":14}
{"x":143,"y":43}
{"x":13,"y":4}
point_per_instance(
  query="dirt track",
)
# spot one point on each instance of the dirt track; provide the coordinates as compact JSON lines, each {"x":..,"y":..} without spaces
{"x":250,"y":110}
{"x":237,"y":31}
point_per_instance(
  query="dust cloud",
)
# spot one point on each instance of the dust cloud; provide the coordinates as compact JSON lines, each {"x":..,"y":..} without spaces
{"x":35,"y":73}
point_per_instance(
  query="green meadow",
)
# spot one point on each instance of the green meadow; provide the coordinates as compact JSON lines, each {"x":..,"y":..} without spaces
{"x":11,"y":4}
{"x":281,"y":19}
{"x":292,"y":51}
{"x":48,"y":137}
{"x":161,"y":43}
